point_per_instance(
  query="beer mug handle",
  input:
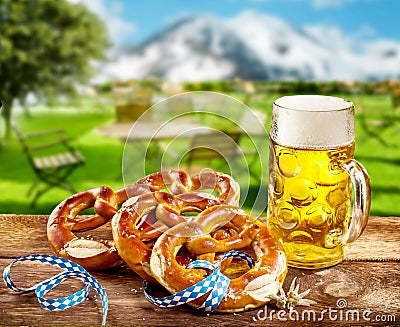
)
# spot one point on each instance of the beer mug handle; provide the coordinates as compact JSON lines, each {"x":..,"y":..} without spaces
{"x":362,"y":200}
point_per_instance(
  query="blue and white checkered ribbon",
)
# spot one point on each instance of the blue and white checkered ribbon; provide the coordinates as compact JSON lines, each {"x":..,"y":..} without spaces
{"x":71,"y":270}
{"x":216,"y":284}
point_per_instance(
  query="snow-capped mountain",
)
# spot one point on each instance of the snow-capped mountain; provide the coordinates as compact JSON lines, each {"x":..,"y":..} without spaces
{"x":253,"y":46}
{"x":290,"y":52}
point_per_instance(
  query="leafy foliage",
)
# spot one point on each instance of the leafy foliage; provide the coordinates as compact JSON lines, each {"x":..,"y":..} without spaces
{"x":46,"y":47}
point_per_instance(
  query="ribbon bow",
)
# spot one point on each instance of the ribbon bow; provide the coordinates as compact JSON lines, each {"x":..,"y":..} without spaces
{"x":71,"y":270}
{"x":216,"y":284}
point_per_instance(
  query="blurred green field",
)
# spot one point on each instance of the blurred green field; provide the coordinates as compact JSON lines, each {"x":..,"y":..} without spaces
{"x":377,"y":148}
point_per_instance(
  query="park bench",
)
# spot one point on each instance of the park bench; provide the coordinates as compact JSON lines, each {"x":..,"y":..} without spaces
{"x":51,"y":157}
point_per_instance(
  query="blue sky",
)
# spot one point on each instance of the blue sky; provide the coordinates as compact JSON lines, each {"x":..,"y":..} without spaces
{"x":131,"y":21}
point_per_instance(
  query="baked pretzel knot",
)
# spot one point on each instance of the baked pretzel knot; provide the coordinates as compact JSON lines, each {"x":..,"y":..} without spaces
{"x":143,"y":219}
{"x":90,"y":253}
{"x":95,"y":254}
{"x":250,"y":290}
{"x":179,"y":182}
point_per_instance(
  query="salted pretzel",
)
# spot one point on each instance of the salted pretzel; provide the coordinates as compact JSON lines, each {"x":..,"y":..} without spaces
{"x":251,"y":289}
{"x":101,"y":254}
{"x":142,"y":219}
{"x":179,"y":181}
{"x":90,"y":253}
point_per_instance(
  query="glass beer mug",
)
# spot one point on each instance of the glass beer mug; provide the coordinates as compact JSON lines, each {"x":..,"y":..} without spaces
{"x":311,"y":172}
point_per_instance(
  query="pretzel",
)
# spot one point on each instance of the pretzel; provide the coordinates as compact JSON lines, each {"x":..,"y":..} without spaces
{"x":143,"y":219}
{"x":179,"y":182}
{"x":101,"y":254}
{"x":248,"y":291}
{"x":63,"y":222}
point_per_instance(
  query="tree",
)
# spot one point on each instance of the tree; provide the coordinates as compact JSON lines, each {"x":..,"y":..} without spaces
{"x":46,"y":47}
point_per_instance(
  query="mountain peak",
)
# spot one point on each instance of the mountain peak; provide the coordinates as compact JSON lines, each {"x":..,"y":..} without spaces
{"x":255,"y":17}
{"x":252,"y":46}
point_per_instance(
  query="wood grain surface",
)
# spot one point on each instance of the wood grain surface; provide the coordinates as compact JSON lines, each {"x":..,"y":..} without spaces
{"x":362,"y":290}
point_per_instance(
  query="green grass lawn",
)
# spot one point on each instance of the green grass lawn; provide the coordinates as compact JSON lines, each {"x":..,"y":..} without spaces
{"x":102,"y":158}
{"x":104,"y":154}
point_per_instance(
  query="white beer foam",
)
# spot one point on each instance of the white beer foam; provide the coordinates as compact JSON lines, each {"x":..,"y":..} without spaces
{"x":312,"y":121}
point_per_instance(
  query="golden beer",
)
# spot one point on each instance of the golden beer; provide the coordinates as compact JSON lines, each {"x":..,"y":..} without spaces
{"x":311,"y":172}
{"x":309,"y":202}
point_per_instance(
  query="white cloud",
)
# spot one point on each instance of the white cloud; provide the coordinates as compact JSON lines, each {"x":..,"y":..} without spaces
{"x":111,"y":15}
{"x":366,"y":31}
{"x":330,"y":3}
{"x":335,"y":38}
{"x":330,"y":36}
{"x":355,"y":55}
{"x":319,"y":4}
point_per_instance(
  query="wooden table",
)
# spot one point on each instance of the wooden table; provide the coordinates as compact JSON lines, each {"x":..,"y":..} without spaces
{"x":366,"y":285}
{"x":146,"y":130}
